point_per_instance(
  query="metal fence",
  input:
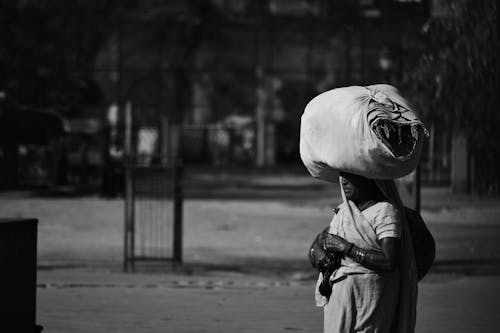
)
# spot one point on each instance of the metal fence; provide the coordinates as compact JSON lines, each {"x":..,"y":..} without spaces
{"x":153,"y":214}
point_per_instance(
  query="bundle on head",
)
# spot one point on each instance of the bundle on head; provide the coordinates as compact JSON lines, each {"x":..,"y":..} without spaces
{"x":369,"y":131}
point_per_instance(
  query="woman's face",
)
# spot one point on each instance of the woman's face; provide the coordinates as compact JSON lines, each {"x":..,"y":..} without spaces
{"x":355,"y":187}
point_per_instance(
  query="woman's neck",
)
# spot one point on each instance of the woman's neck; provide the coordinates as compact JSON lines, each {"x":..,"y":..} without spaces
{"x":365,"y":203}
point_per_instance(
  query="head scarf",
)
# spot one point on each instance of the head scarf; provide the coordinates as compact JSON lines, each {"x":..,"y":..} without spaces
{"x":406,"y":319}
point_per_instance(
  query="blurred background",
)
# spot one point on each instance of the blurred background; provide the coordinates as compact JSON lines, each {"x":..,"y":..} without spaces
{"x":141,"y":132}
{"x":233,"y":77}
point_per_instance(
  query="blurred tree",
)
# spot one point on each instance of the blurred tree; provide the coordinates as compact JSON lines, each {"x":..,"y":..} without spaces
{"x":455,"y":83}
{"x":48,"y":51}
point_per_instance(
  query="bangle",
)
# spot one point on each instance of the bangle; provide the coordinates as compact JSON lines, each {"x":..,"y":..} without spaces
{"x":359,"y":256}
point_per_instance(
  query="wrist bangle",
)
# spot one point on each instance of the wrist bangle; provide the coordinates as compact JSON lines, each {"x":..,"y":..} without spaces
{"x":359,"y":256}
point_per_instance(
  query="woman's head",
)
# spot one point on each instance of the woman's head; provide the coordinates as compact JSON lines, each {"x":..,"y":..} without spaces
{"x":358,"y":188}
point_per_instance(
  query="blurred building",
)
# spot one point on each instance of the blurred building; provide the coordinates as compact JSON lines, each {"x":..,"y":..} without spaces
{"x":203,"y":64}
{"x":233,"y":76}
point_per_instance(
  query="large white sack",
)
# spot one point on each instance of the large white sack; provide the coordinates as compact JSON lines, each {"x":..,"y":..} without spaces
{"x":370,"y":131}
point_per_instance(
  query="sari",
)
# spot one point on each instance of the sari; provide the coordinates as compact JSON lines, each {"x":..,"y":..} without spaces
{"x":363,"y":300}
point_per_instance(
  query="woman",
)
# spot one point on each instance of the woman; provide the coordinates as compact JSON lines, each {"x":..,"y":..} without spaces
{"x":374,"y":289}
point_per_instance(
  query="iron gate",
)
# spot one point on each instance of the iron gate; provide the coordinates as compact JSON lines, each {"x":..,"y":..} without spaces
{"x":153,"y":214}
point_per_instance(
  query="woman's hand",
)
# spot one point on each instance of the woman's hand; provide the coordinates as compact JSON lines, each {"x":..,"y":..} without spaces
{"x":386,"y":260}
{"x":336,"y":243}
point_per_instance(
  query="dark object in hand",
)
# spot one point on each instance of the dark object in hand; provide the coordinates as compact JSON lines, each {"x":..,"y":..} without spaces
{"x":325,"y":287}
{"x":324,"y":261}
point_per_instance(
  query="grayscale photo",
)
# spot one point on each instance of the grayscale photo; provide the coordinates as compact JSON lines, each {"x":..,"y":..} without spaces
{"x":254,"y":166}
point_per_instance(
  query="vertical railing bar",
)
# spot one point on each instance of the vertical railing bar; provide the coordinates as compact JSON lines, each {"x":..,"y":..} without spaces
{"x":178,"y":211}
{"x":148,"y":221}
{"x":141,"y":223}
{"x":155,"y":221}
{"x":128,"y":203}
{"x":133,"y":220}
{"x":168,"y":207}
{"x":157,"y":199}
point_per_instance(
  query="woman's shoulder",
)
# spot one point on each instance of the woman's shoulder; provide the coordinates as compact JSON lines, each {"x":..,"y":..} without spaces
{"x":385,"y":219}
{"x":383,"y":208}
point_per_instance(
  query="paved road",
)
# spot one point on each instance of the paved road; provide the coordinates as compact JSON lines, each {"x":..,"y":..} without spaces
{"x":76,"y":301}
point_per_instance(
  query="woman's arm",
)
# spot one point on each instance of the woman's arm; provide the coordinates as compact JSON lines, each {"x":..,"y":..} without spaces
{"x":387,"y":260}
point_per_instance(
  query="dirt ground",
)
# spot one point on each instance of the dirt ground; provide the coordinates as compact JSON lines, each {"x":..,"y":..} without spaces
{"x":264,"y":233}
{"x":245,"y":265}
